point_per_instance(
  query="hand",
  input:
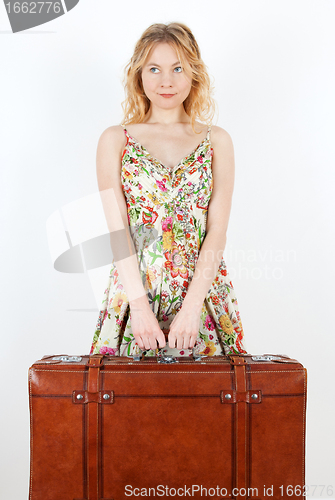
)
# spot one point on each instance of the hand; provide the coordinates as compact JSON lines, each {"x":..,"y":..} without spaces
{"x":146,"y":329}
{"x":185,"y":328}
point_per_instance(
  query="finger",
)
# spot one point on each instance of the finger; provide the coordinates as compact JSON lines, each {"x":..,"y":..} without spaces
{"x":139,"y":342}
{"x":172,"y":340}
{"x":191,"y":343}
{"x":153,"y":343}
{"x":145,"y":342}
{"x":161,"y":339}
{"x":188,"y":341}
{"x":180,"y":342}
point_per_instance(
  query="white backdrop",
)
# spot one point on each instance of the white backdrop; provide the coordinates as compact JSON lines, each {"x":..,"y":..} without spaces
{"x":273,"y":68}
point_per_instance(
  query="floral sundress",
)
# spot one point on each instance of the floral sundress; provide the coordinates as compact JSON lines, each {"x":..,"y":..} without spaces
{"x":167,"y":214}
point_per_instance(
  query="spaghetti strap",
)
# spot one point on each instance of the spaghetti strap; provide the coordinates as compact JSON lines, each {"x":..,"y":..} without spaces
{"x":209,"y":133}
{"x":124,"y":128}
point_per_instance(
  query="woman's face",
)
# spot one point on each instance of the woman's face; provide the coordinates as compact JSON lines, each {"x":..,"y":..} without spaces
{"x":163,"y":74}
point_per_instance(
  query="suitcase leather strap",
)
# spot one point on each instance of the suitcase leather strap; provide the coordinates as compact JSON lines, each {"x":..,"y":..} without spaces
{"x":242,"y":398}
{"x":93,"y":396}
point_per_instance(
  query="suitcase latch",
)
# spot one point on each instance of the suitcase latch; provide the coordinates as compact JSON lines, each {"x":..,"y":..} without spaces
{"x":167,"y":358}
{"x":67,"y":359}
{"x":265,"y":358}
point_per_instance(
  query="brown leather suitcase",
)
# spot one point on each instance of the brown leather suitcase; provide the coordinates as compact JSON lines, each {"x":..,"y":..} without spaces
{"x":106,"y":427}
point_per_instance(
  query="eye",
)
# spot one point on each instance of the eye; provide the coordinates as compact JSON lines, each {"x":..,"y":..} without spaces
{"x":179,"y":67}
{"x":153,"y":68}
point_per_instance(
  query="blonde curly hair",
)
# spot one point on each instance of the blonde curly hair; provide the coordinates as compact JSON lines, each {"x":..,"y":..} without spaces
{"x":199,"y":104}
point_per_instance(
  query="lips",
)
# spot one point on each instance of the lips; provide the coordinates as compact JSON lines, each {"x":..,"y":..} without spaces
{"x":167,"y":95}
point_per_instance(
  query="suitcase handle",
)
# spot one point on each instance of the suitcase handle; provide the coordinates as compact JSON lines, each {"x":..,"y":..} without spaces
{"x":166,"y":358}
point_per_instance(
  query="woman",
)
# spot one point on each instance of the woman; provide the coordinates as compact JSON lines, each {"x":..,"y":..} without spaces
{"x":168,"y":179}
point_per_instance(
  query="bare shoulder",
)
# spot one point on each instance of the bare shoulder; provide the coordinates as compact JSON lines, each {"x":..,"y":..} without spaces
{"x":221,"y":140}
{"x":223,"y":162}
{"x":111,"y":144}
{"x":113,"y":138}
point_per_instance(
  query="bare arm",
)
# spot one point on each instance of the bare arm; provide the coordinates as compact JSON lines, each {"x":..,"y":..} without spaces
{"x":108,"y":163}
{"x":145,"y":326}
{"x":211,"y":252}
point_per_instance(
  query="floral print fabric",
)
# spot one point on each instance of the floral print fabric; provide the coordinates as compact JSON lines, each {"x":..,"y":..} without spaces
{"x":167,"y":214}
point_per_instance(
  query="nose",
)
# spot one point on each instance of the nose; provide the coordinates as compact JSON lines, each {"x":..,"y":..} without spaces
{"x":166,"y":80}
